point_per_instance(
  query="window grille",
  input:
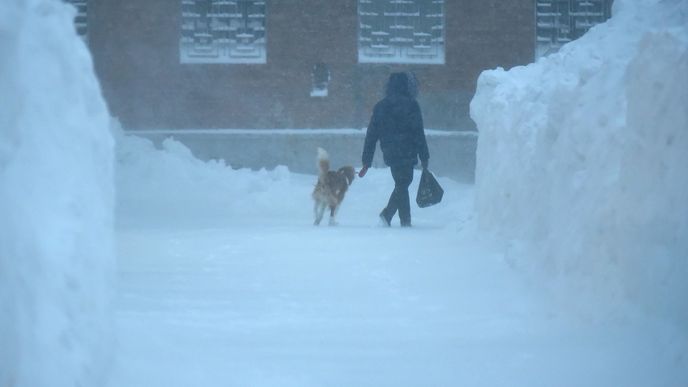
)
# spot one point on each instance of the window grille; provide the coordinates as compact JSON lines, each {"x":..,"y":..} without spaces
{"x":81,"y":19}
{"x":401,"y":31}
{"x":562,"y":21}
{"x":222,"y":31}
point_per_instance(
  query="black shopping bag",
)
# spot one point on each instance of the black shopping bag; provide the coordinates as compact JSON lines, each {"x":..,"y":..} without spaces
{"x":429,"y":190}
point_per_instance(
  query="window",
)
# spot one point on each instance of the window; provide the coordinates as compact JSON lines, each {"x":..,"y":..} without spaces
{"x":561,"y":21}
{"x":401,"y":31}
{"x":321,"y":80}
{"x":81,"y":20}
{"x":222,"y":31}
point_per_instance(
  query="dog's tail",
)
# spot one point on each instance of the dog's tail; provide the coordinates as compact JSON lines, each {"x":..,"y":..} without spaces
{"x":323,"y":161}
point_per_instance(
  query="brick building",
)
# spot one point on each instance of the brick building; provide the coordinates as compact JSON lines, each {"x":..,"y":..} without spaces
{"x":303,"y":63}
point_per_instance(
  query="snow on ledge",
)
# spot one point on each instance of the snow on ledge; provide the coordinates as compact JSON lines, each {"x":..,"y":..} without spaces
{"x":289,"y":132}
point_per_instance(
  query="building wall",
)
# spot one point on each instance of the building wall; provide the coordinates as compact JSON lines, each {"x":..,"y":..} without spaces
{"x":135,"y":45}
{"x":452,"y":154}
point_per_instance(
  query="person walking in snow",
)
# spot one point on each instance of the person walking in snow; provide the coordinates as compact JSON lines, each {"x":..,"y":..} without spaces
{"x":397,"y":123}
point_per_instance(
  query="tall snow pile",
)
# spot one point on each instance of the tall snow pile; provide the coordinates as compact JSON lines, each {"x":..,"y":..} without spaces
{"x":582,"y":161}
{"x":56,"y":200}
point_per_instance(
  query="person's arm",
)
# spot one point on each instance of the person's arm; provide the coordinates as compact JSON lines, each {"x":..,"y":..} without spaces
{"x":421,"y":143}
{"x":372,"y":136}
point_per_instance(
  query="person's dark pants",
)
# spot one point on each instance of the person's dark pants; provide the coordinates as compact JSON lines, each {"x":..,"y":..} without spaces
{"x":399,"y":200}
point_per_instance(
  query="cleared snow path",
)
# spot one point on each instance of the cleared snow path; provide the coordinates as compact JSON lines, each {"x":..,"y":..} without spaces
{"x":269,"y":300}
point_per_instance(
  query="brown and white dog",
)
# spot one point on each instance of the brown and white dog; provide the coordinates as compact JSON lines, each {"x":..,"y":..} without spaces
{"x":331,"y":188}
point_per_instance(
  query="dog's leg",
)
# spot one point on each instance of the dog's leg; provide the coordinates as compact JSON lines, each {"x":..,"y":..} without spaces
{"x":318,"y":211}
{"x":333,"y":214}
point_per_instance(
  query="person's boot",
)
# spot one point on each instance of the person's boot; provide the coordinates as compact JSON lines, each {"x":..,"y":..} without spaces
{"x":387,"y":222}
{"x":405,"y":223}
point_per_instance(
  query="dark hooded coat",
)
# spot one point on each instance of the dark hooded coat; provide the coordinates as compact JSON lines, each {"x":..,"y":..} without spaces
{"x":397,"y":123}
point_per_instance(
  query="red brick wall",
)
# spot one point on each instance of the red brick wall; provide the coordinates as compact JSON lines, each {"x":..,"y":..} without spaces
{"x":135,"y":45}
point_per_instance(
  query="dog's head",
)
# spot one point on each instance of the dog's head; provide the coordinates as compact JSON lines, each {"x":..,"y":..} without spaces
{"x":348,"y":173}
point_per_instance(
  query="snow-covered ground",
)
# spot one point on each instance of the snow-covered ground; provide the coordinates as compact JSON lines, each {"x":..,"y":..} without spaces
{"x":223,"y":281}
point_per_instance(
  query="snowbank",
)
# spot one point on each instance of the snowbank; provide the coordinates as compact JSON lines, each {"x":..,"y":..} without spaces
{"x":582,"y":160}
{"x":170,"y":183}
{"x":56,"y":199}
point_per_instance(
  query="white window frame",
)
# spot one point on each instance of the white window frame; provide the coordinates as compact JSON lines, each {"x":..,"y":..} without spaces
{"x":399,"y":31}
{"x":81,"y":18}
{"x":558,"y":22}
{"x":232,"y":32}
